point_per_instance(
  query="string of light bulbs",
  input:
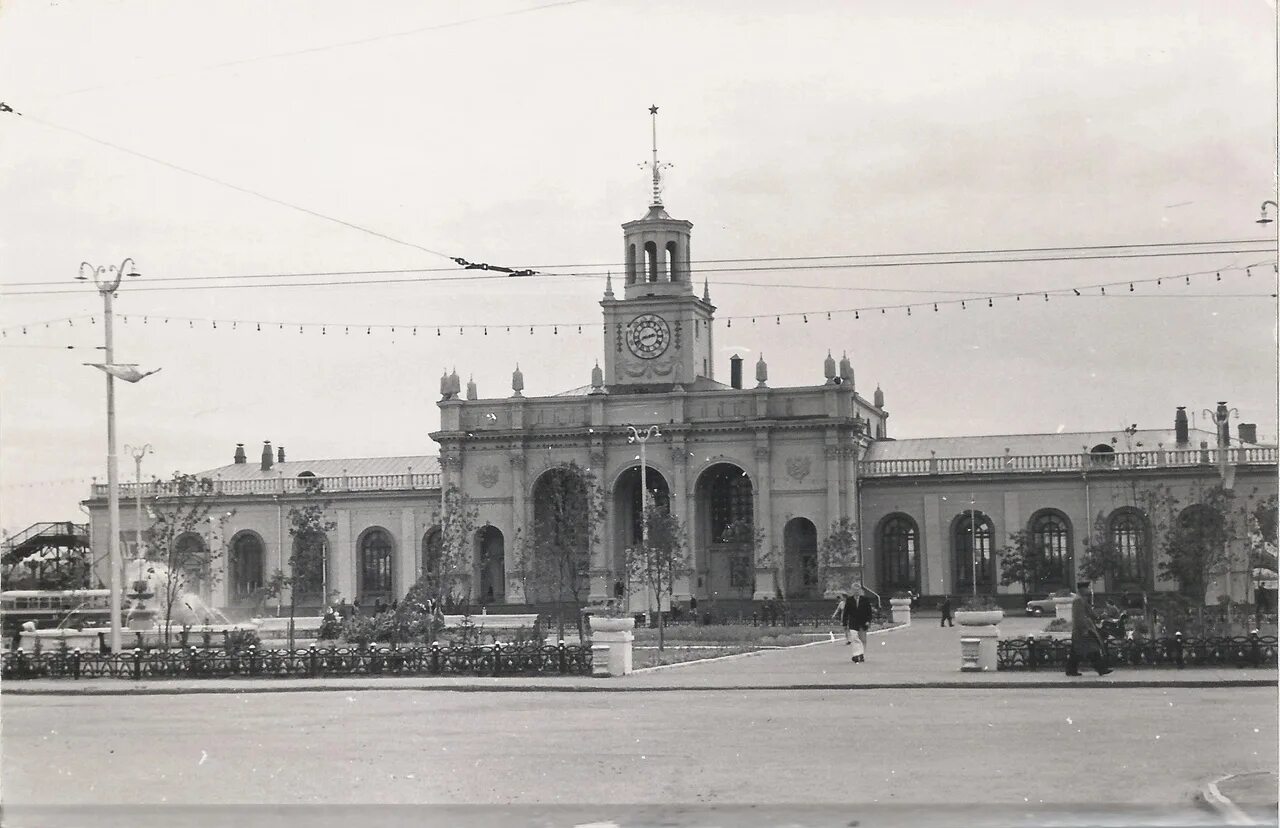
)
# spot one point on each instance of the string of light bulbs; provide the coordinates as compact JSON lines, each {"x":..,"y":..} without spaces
{"x":1120,"y":289}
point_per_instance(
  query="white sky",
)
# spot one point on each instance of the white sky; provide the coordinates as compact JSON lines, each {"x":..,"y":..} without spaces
{"x":806,"y":129}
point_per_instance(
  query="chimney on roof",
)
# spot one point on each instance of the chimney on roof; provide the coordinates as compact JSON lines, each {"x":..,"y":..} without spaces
{"x":1248,"y":432}
{"x":240,"y":455}
{"x":280,"y":454}
{"x":735,"y":371}
{"x":1181,"y":434}
{"x":266,"y":455}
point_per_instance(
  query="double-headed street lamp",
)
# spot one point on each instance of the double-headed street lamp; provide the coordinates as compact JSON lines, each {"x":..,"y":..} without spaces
{"x":642,"y":437}
{"x":107,"y":281}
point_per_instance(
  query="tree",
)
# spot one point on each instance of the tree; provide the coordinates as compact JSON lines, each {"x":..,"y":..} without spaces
{"x":309,"y":527}
{"x":568,"y":511}
{"x":1196,"y":542}
{"x":839,"y":550}
{"x":446,"y":562}
{"x":1023,"y":562}
{"x":656,"y":563}
{"x":184,"y":539}
{"x":1101,"y":558}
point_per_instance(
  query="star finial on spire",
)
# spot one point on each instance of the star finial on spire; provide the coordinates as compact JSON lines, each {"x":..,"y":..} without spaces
{"x":656,"y":165}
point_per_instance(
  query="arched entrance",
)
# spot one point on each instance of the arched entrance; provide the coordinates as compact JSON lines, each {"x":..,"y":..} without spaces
{"x":724,"y":551}
{"x":800,"y":553}
{"x":247,"y":567}
{"x":627,"y":509}
{"x":628,"y":524}
{"x":566,"y":510}
{"x":492,"y":564}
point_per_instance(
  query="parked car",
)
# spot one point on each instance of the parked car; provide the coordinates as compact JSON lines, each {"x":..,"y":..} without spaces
{"x":1040,"y":606}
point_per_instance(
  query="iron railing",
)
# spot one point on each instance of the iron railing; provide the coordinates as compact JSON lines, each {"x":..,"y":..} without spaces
{"x":409,"y":481}
{"x":1072,"y":462}
{"x":435,"y":660}
{"x":1251,"y":650}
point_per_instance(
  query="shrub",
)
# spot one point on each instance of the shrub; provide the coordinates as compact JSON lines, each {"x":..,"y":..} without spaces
{"x":978,"y":603}
{"x":1058,"y":625}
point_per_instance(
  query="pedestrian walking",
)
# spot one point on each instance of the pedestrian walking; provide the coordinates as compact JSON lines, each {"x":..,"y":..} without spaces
{"x":857,"y":618}
{"x":1086,"y":640}
{"x":946,"y":613}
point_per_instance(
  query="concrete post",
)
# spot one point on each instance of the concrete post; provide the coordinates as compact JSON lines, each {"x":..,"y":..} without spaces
{"x":1062,"y":606}
{"x":611,"y":645}
{"x":901,"y":610}
{"x":978,"y":648}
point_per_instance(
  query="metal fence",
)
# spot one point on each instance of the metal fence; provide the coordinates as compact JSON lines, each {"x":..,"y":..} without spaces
{"x":436,"y":660}
{"x":1251,"y":650}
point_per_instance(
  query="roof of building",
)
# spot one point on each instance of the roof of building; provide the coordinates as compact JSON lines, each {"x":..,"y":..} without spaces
{"x":355,"y":466}
{"x":994,"y":445}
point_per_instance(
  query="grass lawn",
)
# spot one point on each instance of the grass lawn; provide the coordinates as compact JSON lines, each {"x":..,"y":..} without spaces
{"x":650,"y":656}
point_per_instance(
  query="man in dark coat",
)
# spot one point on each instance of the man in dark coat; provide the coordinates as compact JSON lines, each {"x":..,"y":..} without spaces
{"x":946,"y":613}
{"x":1086,"y":641}
{"x":857,"y":616}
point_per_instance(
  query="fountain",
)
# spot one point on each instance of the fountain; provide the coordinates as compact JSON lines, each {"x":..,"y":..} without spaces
{"x":143,"y":618}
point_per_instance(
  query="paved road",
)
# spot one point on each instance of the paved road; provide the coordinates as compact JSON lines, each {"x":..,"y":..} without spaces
{"x":1147,"y":747}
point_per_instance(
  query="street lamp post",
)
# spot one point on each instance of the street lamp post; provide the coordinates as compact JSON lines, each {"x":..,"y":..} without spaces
{"x":107,"y":281}
{"x":973,"y":540}
{"x":1266,"y":219}
{"x":138,"y":454}
{"x":642,"y":437}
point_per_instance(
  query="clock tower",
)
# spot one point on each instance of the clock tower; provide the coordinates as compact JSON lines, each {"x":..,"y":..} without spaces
{"x":659,"y":334}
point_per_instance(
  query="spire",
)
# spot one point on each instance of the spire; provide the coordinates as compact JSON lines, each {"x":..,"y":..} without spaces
{"x":655,"y":165}
{"x":471,"y":388}
{"x":706,"y":290}
{"x":829,"y":369}
{"x":608,"y":285}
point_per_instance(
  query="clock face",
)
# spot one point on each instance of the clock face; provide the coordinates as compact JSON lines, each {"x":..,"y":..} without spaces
{"x":648,"y":336}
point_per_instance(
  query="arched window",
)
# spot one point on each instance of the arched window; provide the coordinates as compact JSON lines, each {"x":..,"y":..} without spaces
{"x":1128,"y":533}
{"x":191,"y":554}
{"x":899,"y":554}
{"x":375,"y":565}
{"x":1102,"y":454}
{"x":631,"y":264}
{"x":673,"y":266}
{"x":972,"y":542}
{"x":651,"y":261}
{"x":247,"y":562}
{"x":1051,"y":538}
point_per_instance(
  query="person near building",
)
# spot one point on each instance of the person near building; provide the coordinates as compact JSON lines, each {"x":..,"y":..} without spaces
{"x":946,"y":613}
{"x":841,"y":600}
{"x":1086,"y":640}
{"x":857,"y":617}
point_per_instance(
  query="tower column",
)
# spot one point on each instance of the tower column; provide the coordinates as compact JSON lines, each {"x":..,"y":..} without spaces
{"x":766,"y":572}
{"x":519,"y":522}
{"x":683,"y":585}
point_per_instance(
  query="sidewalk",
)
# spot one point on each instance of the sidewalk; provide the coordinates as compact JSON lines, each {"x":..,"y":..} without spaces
{"x":921,"y":656}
